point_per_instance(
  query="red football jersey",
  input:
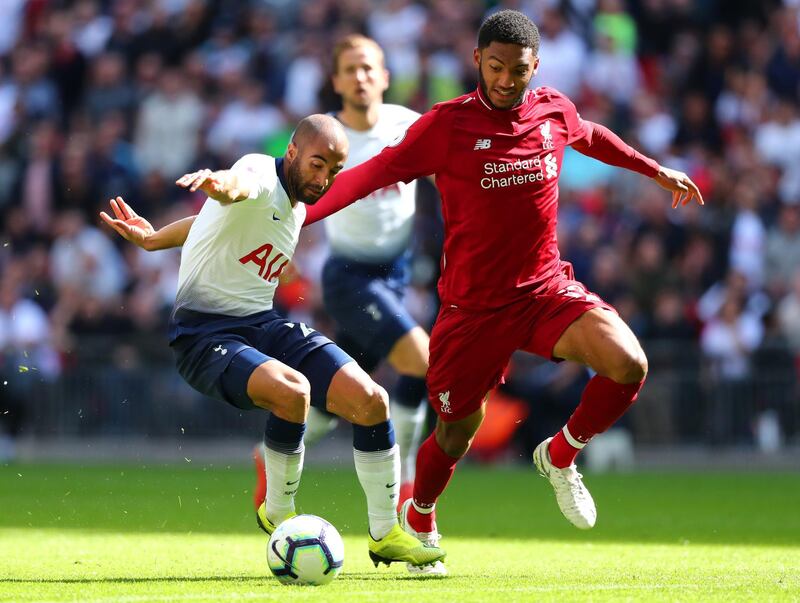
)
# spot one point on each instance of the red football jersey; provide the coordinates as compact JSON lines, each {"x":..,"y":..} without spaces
{"x":497,"y":173}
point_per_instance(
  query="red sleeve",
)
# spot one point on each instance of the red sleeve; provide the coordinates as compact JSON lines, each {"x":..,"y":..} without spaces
{"x":598,"y":141}
{"x":601,"y":143}
{"x":421,"y":151}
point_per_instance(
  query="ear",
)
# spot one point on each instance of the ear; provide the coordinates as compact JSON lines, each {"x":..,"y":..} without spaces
{"x":476,"y":56}
{"x":386,"y":79}
{"x":535,"y":66}
{"x":291,"y":152}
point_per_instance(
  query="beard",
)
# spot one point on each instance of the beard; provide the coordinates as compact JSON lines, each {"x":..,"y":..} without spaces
{"x":297,"y":187}
{"x":485,"y":91}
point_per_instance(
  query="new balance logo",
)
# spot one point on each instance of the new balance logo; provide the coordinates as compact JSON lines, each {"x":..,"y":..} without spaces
{"x":220,"y":349}
{"x":444,"y":398}
{"x":547,"y":137}
{"x":482,"y":143}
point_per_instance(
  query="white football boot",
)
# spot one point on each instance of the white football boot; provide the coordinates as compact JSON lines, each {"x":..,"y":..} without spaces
{"x":428,"y":538}
{"x":573,"y":498}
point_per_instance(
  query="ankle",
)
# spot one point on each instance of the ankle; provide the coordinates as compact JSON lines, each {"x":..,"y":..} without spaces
{"x":562,"y":453}
{"x":421,"y":522}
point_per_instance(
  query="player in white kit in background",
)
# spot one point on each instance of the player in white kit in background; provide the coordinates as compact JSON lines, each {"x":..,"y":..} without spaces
{"x":231,"y":345}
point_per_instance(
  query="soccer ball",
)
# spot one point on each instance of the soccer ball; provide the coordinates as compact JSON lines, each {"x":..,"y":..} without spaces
{"x":305,"y":549}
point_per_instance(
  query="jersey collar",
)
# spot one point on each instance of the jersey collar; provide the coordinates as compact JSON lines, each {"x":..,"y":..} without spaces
{"x":279,"y":169}
{"x":515,"y":112}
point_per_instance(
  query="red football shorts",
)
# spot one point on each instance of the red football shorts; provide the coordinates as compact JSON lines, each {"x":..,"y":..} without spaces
{"x":469,"y":350}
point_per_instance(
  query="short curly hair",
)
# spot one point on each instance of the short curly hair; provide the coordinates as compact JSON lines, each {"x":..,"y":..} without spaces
{"x":509,"y":27}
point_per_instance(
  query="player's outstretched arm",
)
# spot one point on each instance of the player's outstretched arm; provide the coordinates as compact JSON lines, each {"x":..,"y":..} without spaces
{"x":682,"y":187}
{"x":599,"y":142}
{"x":132,"y":227}
{"x":421,"y":151}
{"x":224,"y":186}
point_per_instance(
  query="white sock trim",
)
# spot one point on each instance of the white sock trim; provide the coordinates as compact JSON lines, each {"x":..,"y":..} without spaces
{"x":379,"y":475}
{"x":570,"y":440}
{"x":423,"y":510}
{"x":284,"y":472}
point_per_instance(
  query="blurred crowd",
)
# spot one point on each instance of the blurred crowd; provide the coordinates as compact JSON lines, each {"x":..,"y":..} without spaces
{"x":100,"y":98}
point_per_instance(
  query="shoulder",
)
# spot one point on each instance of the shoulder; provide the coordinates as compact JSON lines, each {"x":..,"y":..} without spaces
{"x":447,"y":110}
{"x":255,"y":162}
{"x":262,"y":168}
{"x":546,"y":94}
{"x":460,"y":103}
{"x":399,"y":114}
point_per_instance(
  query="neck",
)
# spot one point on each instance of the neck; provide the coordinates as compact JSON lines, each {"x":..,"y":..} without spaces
{"x":285,"y":179}
{"x":361,"y":119}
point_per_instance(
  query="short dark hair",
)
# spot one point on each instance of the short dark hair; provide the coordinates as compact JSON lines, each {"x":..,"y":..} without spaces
{"x":509,"y":27}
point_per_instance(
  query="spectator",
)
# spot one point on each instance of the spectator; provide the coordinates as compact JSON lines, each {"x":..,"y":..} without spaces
{"x":100,"y":98}
{"x":245,"y":122}
{"x":84,"y":260}
{"x":728,"y":342}
{"x":562,"y":53}
{"x":782,"y":255}
{"x":168,"y":129}
{"x":109,"y":91}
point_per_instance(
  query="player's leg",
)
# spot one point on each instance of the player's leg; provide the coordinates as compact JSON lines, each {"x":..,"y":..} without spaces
{"x":367,"y":303}
{"x":285,"y":392}
{"x":468,"y":354}
{"x":574,"y":324}
{"x":436,"y":463}
{"x":320,"y":422}
{"x":359,"y":400}
{"x":409,"y":357}
{"x":601,"y":340}
{"x":352,"y":395}
{"x":230,"y":366}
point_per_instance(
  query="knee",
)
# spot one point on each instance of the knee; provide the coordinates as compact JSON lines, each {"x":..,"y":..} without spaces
{"x":410,"y":354}
{"x":632,"y":367}
{"x":370,"y":405}
{"x":412,"y":367}
{"x":290,"y":399}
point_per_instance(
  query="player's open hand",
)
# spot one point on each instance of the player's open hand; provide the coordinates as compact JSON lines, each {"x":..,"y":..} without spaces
{"x":128,"y":223}
{"x":216,"y":185}
{"x":682,"y":187}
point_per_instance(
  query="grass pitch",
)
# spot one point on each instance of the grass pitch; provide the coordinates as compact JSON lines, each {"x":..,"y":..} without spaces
{"x":187,"y":533}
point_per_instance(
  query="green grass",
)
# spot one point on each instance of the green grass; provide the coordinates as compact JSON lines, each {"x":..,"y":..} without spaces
{"x":103,"y":533}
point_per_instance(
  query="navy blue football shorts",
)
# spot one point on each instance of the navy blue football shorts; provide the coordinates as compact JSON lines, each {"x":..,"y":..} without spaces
{"x":216,"y":354}
{"x":366,"y":301}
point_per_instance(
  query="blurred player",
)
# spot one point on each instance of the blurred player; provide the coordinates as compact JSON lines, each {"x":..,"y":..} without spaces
{"x":497,"y":155}
{"x":365,"y":277}
{"x":231,"y":345}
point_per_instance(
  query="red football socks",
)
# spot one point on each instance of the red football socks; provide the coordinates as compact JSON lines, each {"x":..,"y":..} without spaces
{"x":434,"y":470}
{"x":602,"y":403}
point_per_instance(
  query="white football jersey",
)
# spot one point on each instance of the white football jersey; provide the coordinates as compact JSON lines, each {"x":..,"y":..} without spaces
{"x":235,"y":253}
{"x":378,"y":227}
